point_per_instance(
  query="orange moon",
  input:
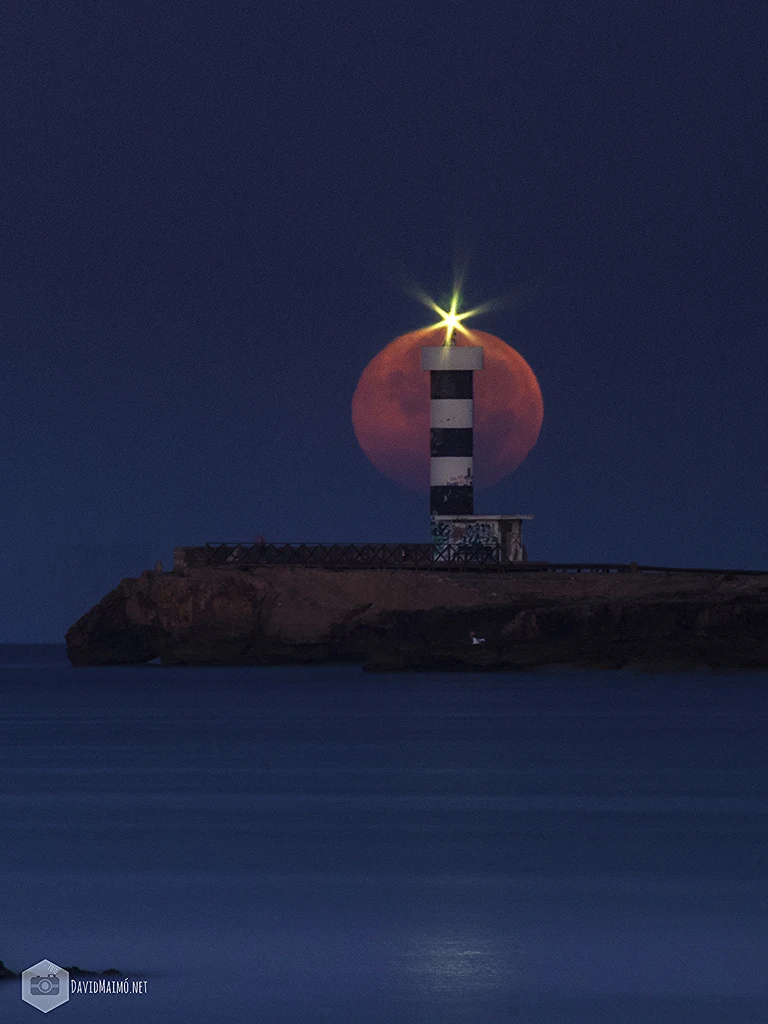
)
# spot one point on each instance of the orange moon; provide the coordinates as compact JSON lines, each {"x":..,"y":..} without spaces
{"x":390,"y":409}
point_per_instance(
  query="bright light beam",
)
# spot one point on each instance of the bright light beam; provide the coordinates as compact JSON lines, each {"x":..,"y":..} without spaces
{"x":452,"y":320}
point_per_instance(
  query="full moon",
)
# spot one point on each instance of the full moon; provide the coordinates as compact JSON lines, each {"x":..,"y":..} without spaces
{"x":390,"y":409}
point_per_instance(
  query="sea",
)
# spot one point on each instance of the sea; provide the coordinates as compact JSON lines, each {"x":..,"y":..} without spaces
{"x":322,"y":844}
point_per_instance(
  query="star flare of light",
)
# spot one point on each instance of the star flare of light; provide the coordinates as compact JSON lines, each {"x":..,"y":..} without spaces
{"x":452,"y":319}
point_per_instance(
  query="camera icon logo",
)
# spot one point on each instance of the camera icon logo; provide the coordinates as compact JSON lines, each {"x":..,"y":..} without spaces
{"x":45,"y":986}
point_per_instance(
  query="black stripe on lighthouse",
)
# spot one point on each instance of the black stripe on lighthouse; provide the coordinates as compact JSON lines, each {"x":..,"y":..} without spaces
{"x":452,"y":500}
{"x":450,"y":441}
{"x":450,"y":384}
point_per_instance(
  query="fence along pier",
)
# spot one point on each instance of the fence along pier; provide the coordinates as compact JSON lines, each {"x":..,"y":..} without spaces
{"x":426,"y":557}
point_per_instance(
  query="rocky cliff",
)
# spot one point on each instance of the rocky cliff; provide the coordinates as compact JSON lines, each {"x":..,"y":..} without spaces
{"x":389,"y":619}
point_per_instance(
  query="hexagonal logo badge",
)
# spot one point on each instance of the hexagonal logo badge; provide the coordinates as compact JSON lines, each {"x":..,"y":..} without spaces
{"x":45,"y":986}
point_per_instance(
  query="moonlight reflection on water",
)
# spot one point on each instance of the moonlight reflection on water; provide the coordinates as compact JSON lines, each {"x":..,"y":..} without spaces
{"x":459,"y":965}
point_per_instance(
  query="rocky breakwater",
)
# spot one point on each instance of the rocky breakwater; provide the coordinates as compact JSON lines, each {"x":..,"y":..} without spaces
{"x":6,"y":974}
{"x":390,"y":619}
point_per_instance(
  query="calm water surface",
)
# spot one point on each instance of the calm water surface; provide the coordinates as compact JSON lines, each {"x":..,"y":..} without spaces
{"x":323,"y":845}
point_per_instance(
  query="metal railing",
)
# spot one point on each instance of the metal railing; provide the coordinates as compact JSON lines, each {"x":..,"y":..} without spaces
{"x":416,"y":556}
{"x":356,"y":556}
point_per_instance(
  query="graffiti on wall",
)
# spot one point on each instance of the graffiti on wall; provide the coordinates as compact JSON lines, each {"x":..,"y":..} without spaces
{"x":441,"y":533}
{"x":465,"y":534}
{"x":505,"y":535}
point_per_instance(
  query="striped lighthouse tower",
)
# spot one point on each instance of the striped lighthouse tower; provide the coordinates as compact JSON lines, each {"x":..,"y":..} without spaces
{"x":451,"y":490}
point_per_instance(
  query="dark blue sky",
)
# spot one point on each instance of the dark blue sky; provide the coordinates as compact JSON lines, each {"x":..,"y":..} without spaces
{"x":208,"y":213}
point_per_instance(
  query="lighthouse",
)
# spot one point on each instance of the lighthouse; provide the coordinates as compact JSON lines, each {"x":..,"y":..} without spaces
{"x":457,"y":533}
{"x":451,"y":369}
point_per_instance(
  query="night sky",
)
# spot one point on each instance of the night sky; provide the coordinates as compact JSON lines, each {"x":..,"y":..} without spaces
{"x":211,"y":213}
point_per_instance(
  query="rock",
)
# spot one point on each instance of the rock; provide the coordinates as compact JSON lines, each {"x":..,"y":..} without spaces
{"x":6,"y":974}
{"x":398,"y":619}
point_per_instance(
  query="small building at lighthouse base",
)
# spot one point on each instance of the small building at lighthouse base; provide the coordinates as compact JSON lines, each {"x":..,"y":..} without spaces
{"x":456,"y":536}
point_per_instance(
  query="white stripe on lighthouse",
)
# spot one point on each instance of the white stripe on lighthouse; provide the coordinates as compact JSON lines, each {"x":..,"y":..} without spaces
{"x":450,"y":470}
{"x":452,"y":357}
{"x":451,"y":412}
